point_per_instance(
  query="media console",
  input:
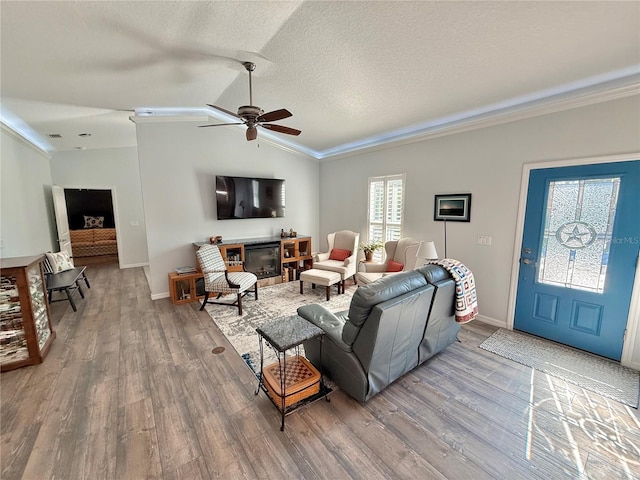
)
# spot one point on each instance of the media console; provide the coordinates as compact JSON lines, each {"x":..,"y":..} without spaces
{"x":272,"y":259}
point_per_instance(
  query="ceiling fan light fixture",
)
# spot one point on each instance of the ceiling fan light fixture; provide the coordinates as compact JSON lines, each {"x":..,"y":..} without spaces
{"x":252,"y":133}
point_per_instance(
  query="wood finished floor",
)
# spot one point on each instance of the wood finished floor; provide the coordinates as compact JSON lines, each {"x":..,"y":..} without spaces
{"x":132,"y":390}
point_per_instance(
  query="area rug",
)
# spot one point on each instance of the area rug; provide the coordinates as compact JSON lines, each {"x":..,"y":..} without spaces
{"x":591,"y":372}
{"x":273,"y":302}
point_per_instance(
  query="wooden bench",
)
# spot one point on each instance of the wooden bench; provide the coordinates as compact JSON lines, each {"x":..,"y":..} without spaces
{"x":67,"y":282}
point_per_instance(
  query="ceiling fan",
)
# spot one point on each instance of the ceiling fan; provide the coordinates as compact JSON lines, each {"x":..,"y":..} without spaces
{"x":253,"y":116}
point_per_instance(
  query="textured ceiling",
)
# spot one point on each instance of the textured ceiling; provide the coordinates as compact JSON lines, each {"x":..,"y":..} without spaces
{"x":350,"y":72}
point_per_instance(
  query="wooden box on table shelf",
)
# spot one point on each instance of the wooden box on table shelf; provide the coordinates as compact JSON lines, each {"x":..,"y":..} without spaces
{"x":302,"y":380}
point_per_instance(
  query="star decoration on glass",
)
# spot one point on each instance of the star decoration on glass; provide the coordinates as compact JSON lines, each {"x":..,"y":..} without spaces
{"x":576,"y":235}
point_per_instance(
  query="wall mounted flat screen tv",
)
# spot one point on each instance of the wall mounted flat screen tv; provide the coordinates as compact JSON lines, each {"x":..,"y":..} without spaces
{"x":247,"y":197}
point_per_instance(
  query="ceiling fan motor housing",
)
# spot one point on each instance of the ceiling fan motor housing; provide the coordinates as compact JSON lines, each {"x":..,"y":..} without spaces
{"x":249,"y":112}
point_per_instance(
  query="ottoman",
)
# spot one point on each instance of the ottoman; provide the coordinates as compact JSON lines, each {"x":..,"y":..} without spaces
{"x":325,"y":278}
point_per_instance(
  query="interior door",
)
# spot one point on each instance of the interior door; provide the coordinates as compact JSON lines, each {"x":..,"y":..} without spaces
{"x":578,"y":256}
{"x":62,"y":221}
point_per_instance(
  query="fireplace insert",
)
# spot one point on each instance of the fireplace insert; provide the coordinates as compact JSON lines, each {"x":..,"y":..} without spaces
{"x":263,"y":259}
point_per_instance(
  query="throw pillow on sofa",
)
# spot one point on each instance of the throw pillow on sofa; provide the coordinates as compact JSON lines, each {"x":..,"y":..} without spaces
{"x":339,"y":254}
{"x":393,"y":266}
{"x":93,"y":222}
{"x":60,"y":262}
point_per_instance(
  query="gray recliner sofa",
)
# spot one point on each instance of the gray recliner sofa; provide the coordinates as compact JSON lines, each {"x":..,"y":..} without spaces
{"x":392,"y":326}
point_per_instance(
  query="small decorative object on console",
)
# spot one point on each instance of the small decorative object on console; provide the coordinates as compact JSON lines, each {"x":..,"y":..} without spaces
{"x":216,"y":240}
{"x":185,"y":270}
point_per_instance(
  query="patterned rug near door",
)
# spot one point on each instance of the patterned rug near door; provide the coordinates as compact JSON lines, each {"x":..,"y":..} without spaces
{"x":273,"y":302}
{"x":591,"y":372}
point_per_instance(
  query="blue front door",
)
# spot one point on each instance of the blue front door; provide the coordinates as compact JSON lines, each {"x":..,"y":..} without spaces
{"x":578,"y":255}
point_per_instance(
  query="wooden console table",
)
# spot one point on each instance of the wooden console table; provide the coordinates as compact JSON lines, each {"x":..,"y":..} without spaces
{"x":295,"y":252}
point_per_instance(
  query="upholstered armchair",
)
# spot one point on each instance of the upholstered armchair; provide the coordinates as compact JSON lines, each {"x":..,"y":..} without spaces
{"x":219,"y":281}
{"x":342,"y":256}
{"x":400,"y":256}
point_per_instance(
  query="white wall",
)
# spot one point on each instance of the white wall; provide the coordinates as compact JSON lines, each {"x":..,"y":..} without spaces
{"x":27,"y":224}
{"x":487,"y":163}
{"x":178,"y":165}
{"x":115,"y":168}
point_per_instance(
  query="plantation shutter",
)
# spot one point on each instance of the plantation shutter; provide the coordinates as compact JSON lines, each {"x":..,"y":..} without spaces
{"x":386,"y":205}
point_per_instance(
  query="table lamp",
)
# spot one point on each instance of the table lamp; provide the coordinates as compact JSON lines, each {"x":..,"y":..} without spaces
{"x":427,"y":251}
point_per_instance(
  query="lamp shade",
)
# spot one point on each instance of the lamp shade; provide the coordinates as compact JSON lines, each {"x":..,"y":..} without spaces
{"x":427,"y":250}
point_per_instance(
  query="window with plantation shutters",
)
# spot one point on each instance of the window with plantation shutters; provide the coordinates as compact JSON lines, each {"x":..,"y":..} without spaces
{"x":386,"y":203}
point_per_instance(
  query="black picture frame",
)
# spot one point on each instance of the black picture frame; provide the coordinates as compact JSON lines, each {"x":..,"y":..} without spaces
{"x":452,"y":207}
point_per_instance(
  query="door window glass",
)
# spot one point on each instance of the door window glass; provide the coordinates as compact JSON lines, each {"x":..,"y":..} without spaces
{"x":578,"y":228}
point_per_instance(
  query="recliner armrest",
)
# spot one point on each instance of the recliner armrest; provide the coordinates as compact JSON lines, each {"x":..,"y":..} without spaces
{"x":329,"y":322}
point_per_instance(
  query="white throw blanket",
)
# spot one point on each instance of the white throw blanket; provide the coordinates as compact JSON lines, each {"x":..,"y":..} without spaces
{"x":466,"y":300}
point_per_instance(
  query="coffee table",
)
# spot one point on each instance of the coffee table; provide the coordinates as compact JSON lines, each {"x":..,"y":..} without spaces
{"x":284,"y":334}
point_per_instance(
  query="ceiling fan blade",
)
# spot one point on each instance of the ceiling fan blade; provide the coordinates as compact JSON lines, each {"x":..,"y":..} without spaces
{"x":275,"y":115}
{"x":281,"y":129}
{"x":228,"y":112}
{"x":221,"y":124}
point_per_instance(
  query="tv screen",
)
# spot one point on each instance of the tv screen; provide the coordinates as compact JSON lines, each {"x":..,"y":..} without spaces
{"x":245,"y":197}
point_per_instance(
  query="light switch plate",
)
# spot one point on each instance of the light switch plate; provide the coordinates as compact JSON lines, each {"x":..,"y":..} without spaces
{"x":484,"y":239}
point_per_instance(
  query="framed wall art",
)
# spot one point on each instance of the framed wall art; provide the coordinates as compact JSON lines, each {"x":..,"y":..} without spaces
{"x":452,"y":208}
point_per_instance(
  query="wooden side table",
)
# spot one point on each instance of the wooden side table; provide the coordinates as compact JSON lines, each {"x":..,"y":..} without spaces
{"x":183,"y":288}
{"x":284,"y":334}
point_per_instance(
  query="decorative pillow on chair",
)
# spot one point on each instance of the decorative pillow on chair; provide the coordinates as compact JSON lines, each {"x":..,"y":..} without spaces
{"x":394,"y":266}
{"x":60,"y":261}
{"x":93,"y":222}
{"x":339,"y":254}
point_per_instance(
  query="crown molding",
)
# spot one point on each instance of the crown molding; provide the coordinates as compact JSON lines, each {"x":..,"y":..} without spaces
{"x":497,"y":117}
{"x":22,"y":139}
{"x":265,"y":135}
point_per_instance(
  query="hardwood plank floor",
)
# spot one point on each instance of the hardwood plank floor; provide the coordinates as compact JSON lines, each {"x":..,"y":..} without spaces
{"x":131,"y":389}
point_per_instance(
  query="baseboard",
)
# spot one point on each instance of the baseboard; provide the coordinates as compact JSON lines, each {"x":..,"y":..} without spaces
{"x":158,"y":296}
{"x":492,"y":321}
{"x":134,"y":265}
{"x":633,"y":365}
